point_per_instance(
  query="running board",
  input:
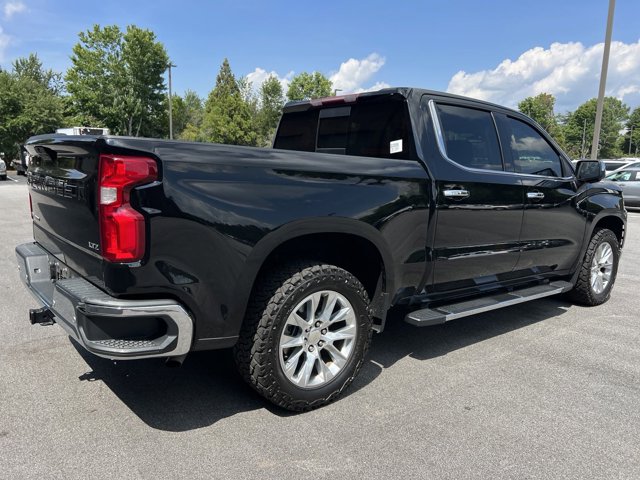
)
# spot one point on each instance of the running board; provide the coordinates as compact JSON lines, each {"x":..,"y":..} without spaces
{"x":444,"y":313}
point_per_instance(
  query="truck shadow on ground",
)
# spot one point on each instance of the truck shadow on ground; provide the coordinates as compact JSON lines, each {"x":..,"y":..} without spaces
{"x":207,"y":388}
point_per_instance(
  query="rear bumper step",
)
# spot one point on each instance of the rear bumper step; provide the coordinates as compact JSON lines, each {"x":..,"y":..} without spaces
{"x":104,"y":325}
{"x":445,"y":313}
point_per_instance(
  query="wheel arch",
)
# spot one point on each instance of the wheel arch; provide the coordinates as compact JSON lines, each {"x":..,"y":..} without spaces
{"x":321,"y":236}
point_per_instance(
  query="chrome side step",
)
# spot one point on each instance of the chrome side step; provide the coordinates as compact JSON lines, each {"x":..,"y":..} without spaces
{"x":444,"y":313}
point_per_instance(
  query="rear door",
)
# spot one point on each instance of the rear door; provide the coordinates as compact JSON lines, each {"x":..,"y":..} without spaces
{"x":479,"y":204}
{"x":552,"y":227}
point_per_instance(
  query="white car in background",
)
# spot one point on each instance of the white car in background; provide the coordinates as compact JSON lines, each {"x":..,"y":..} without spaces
{"x":3,"y":170}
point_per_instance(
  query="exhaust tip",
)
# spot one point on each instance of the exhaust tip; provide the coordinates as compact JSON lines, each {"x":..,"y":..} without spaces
{"x":175,"y":362}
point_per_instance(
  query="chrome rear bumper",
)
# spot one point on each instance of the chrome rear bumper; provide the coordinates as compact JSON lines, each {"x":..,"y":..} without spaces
{"x":104,"y":325}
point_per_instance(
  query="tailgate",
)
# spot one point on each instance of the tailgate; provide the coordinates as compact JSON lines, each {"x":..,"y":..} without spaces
{"x":63,"y":177}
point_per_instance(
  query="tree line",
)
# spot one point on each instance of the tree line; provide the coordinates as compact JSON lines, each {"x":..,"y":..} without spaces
{"x":573,"y":131}
{"x":116,"y":80}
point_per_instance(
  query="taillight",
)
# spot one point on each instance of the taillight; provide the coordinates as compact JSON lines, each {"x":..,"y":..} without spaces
{"x":122,"y":229}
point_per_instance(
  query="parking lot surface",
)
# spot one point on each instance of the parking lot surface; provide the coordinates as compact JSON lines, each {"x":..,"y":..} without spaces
{"x":540,"y":390}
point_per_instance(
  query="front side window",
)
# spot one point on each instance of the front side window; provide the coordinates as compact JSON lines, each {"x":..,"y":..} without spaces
{"x":531,"y":153}
{"x":470,"y":137}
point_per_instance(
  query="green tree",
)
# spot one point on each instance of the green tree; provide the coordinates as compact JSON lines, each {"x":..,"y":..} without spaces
{"x":633,"y":134}
{"x":116,"y":80}
{"x":582,"y":120}
{"x":541,"y":109}
{"x":306,"y":86}
{"x":227,"y":116}
{"x":271,"y":102}
{"x":30,"y":103}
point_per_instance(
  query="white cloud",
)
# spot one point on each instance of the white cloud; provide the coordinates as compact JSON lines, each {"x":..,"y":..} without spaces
{"x":259,"y":75}
{"x":353,"y":73}
{"x":570,"y":71}
{"x":349,"y":78}
{"x":12,"y":7}
{"x":4,"y":43}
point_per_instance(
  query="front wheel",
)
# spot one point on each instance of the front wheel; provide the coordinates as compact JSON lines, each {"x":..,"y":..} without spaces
{"x":598,"y":270}
{"x":305,"y":336}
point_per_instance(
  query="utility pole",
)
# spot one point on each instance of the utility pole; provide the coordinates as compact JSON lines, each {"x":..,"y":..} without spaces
{"x":603,"y":81}
{"x":170,"y":110}
{"x":584,"y":133}
{"x":630,"y":139}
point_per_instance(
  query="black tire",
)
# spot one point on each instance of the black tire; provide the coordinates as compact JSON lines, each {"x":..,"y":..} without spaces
{"x":3,"y":177}
{"x":273,"y":299}
{"x":582,"y":291}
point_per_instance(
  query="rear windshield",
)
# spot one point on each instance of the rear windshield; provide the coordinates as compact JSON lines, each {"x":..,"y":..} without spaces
{"x":369,"y":129}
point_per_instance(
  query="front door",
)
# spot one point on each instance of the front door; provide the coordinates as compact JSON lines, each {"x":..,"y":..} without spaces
{"x":552,"y":228}
{"x":479,"y":205}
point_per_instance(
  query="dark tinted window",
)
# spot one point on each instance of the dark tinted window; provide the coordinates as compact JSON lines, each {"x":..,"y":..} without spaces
{"x":297,"y":131}
{"x":333,"y":129}
{"x":380,"y":129}
{"x":470,"y":137}
{"x":531,"y":152}
{"x":369,"y":128}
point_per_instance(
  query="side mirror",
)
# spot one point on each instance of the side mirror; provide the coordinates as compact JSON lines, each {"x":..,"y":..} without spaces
{"x":590,"y":171}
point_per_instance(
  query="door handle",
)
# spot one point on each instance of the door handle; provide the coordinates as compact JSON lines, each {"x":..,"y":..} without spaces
{"x":535,"y":195}
{"x":458,"y":194}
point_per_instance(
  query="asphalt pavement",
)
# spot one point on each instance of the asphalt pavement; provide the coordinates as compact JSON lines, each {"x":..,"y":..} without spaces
{"x":540,"y":390}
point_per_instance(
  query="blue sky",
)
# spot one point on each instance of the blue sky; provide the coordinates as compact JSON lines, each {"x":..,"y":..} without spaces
{"x":423,"y":43}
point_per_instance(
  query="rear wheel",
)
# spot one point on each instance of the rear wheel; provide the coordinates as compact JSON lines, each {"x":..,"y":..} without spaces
{"x":3,"y":177}
{"x":599,"y":269}
{"x":305,"y":335}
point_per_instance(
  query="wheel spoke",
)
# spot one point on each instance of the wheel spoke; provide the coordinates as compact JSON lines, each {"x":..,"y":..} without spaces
{"x":327,"y":374}
{"x":346,"y":333}
{"x":340,"y":315}
{"x":329,"y":305}
{"x":295,"y":319}
{"x":336,"y":355}
{"x":291,"y":363}
{"x":312,"y":305}
{"x":307,"y":368}
{"x":297,"y":341}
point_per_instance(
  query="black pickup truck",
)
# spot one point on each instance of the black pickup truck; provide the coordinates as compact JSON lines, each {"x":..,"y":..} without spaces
{"x":440,"y":205}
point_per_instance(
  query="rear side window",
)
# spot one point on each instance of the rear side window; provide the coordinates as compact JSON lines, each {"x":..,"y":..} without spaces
{"x":370,"y":129}
{"x":531,"y":153}
{"x":297,"y":131}
{"x":470,"y":137}
{"x":380,"y":129}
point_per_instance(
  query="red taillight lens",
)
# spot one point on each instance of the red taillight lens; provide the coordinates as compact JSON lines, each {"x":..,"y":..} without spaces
{"x":122,"y":229}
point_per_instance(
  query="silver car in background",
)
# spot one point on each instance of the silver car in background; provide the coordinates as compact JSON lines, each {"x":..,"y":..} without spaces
{"x":3,"y":170}
{"x":628,"y":180}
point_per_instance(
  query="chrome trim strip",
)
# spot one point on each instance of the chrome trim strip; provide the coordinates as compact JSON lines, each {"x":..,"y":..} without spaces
{"x":437,"y":127}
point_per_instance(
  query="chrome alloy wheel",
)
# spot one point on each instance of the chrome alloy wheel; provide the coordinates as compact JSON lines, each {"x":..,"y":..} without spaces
{"x":318,"y":339}
{"x":601,"y":268}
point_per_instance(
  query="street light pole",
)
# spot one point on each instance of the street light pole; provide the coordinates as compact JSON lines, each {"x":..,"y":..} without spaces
{"x":170,"y":109}
{"x":603,"y":81}
{"x":630,"y":139}
{"x":584,"y":134}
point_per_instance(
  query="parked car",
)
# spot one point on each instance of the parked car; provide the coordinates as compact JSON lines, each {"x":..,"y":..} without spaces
{"x":438,"y":204}
{"x":634,"y":164}
{"x":613,"y":165}
{"x":3,"y":170}
{"x":629,"y":181}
